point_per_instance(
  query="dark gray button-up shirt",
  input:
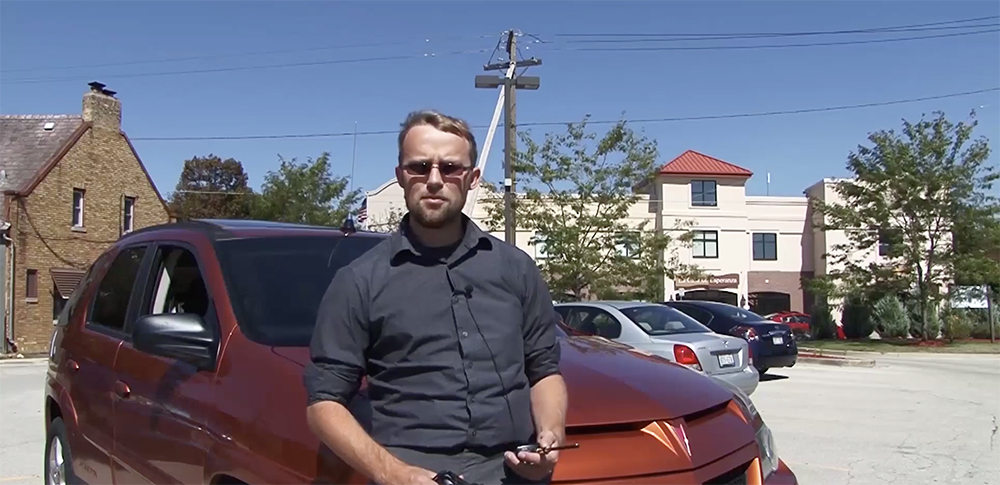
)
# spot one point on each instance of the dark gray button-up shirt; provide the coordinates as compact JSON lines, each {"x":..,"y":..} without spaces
{"x":450,"y":341}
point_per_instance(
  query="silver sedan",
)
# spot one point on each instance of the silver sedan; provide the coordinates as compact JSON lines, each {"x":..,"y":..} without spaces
{"x":665,"y":332}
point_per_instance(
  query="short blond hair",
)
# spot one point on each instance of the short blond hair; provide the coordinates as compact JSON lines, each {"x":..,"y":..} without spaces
{"x":441,"y":121}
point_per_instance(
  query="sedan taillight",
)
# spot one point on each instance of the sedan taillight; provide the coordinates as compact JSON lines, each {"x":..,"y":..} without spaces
{"x":684,"y":355}
{"x":744,"y":332}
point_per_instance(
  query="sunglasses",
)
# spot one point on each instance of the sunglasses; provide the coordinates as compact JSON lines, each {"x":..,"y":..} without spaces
{"x":446,"y":168}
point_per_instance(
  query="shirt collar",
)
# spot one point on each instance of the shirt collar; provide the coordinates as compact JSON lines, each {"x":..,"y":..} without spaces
{"x":473,"y":238}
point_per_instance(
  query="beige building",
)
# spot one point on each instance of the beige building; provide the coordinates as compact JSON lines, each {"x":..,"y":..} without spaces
{"x":755,"y":249}
{"x":72,"y":185}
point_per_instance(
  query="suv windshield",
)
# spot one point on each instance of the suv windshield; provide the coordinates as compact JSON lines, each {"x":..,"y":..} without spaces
{"x":276,"y":283}
{"x":663,"y":320}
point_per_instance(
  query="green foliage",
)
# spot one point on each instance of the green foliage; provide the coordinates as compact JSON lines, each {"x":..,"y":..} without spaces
{"x":821,"y":324}
{"x":957,"y":323}
{"x":891,"y":317}
{"x":305,"y":193}
{"x":857,"y":317}
{"x":578,"y":192}
{"x":212,"y":188}
{"x":925,"y":321}
{"x":910,"y":190}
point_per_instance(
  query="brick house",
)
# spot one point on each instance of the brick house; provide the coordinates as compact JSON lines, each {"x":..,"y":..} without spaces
{"x":71,"y":186}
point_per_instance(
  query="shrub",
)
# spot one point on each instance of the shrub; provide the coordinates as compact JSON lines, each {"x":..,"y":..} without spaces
{"x":980,"y":328}
{"x":857,"y":318}
{"x":957,"y":324}
{"x":821,"y":324}
{"x":916,"y":320}
{"x":891,"y":317}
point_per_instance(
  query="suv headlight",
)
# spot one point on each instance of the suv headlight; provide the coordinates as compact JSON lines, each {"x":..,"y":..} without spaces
{"x":765,"y":439}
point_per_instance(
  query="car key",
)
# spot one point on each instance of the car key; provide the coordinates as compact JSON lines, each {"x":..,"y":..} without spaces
{"x":536,"y":448}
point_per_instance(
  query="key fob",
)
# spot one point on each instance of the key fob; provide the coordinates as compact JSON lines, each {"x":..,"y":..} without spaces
{"x":530,"y":448}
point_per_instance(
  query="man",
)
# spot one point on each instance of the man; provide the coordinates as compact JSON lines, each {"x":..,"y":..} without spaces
{"x":454,"y":329}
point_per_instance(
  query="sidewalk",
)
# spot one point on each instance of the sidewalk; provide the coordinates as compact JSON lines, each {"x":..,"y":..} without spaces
{"x":12,"y":360}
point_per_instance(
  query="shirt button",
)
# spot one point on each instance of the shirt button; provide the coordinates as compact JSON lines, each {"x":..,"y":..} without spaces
{"x":465,"y":334}
{"x":473,"y":432}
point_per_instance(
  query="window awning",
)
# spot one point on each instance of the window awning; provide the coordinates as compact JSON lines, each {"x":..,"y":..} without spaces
{"x":66,"y":280}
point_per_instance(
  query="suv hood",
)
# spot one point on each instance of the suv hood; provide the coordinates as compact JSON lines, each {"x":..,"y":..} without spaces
{"x":611,"y":383}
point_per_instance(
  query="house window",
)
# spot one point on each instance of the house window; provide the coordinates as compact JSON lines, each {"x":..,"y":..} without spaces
{"x":78,"y":207}
{"x":765,"y":246}
{"x":31,"y":285}
{"x":703,"y":193}
{"x":128,"y":214}
{"x":886,"y":239}
{"x":705,"y":244}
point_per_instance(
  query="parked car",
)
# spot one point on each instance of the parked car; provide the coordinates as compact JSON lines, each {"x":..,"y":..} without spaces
{"x":179,"y":359}
{"x":668,"y":333}
{"x":771,"y":344}
{"x":800,"y":323}
{"x":797,"y":321}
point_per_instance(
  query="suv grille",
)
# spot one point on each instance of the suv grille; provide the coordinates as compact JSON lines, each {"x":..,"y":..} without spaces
{"x":736,"y":476}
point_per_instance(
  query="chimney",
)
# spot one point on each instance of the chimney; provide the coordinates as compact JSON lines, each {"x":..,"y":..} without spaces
{"x":101,"y":108}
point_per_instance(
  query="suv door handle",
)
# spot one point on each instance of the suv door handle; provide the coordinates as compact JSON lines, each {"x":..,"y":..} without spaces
{"x":122,"y":390}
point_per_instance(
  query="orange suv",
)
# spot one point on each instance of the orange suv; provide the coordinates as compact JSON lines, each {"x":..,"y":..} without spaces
{"x":179,"y":360}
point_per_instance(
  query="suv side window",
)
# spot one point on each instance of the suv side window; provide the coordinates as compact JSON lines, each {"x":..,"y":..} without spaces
{"x":111,"y":301}
{"x":177,"y":284}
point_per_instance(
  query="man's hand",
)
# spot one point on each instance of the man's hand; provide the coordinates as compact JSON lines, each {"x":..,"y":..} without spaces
{"x":409,"y":475}
{"x":536,"y":466}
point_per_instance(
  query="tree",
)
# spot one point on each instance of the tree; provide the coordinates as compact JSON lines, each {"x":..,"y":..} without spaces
{"x":578,"y":193}
{"x":212,"y":188}
{"x":305,"y":193}
{"x":910,"y":191}
{"x":387,"y":222}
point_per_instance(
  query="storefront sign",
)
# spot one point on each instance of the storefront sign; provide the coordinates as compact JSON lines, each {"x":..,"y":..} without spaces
{"x":731,"y":280}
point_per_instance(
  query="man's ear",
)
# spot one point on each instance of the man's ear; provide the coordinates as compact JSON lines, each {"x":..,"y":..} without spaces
{"x":477,"y":175}
{"x":399,"y":176}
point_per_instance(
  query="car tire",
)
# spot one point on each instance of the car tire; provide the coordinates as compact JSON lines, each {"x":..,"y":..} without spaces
{"x":58,"y":457}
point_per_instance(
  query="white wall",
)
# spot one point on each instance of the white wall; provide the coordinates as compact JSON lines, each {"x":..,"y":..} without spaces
{"x":786,"y":217}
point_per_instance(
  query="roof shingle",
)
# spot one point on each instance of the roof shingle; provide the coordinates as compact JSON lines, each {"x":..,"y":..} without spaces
{"x":694,"y":163}
{"x":27,"y":142}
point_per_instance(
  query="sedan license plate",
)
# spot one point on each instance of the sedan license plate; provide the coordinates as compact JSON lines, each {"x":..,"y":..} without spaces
{"x":778,"y":340}
{"x":727,"y":360}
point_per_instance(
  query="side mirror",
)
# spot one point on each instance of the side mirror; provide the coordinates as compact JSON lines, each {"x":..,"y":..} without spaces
{"x":181,"y":336}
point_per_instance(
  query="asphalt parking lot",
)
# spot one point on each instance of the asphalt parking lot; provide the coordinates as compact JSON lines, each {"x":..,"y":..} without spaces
{"x":913,"y":419}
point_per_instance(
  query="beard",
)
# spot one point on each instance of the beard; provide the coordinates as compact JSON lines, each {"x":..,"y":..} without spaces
{"x":447,"y":214}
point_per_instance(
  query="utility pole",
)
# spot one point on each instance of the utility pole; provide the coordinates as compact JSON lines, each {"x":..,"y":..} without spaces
{"x":510,"y":84}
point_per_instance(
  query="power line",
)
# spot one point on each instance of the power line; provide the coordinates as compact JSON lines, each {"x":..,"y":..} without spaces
{"x":783,"y":34}
{"x":703,"y":37}
{"x":773,"y":46}
{"x":257,"y":67}
{"x":598,"y":122}
{"x":683,"y":38}
{"x":243,"y":54}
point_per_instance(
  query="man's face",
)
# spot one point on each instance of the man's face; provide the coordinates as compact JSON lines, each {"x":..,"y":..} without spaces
{"x":436,"y":175}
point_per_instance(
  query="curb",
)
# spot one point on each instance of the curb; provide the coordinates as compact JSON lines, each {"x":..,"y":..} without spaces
{"x":836,"y":362}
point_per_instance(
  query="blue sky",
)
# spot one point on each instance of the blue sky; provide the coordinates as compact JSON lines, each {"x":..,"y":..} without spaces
{"x":327,"y":96}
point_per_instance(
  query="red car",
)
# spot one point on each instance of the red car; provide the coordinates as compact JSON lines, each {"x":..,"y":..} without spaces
{"x":799,"y":322}
{"x":179,"y":360}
